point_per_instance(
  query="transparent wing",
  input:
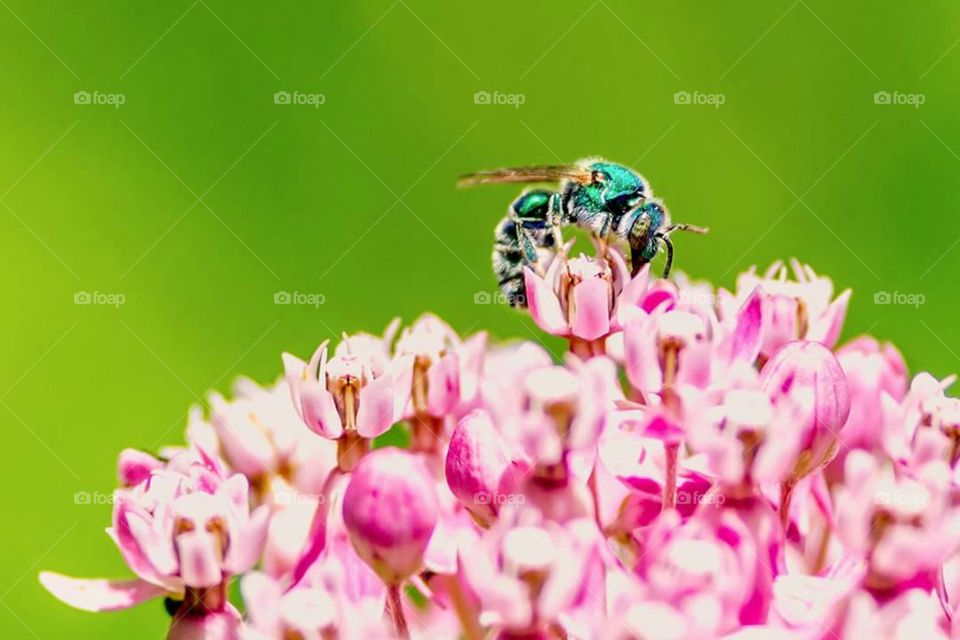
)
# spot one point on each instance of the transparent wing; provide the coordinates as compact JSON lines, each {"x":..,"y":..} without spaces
{"x":545,"y":173}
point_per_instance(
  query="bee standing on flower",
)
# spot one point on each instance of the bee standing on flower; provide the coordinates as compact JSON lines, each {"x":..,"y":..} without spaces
{"x":607,"y":199}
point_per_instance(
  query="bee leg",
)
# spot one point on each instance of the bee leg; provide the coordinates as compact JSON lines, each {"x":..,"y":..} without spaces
{"x":669,"y":246}
{"x":555,"y":218}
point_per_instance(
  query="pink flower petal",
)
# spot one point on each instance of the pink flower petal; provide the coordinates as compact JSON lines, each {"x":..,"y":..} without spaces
{"x":443,"y":385}
{"x":544,"y":304}
{"x":747,"y":334}
{"x":320,"y":411}
{"x":98,"y":594}
{"x":375,"y":411}
{"x":591,"y":309}
{"x":826,"y":329}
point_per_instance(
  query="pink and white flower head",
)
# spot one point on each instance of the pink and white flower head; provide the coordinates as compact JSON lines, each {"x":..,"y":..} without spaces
{"x":578,"y":298}
{"x":903,"y":526}
{"x":390,"y":510}
{"x":797,"y":308}
{"x":350,"y":398}
{"x":330,"y":607}
{"x":529,"y":576}
{"x":686,"y":346}
{"x":873,"y":371}
{"x":504,"y":369}
{"x":184,"y":536}
{"x":260,"y":434}
{"x":446,"y":370}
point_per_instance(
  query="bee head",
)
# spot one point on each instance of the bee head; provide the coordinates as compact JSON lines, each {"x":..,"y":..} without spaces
{"x":642,"y":228}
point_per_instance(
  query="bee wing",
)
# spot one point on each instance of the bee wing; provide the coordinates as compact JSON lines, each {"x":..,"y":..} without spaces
{"x":545,"y":173}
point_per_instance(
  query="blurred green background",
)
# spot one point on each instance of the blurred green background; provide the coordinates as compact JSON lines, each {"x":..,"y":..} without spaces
{"x":199,"y":198}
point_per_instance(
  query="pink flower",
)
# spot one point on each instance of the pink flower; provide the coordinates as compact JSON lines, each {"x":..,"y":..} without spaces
{"x":390,"y":510}
{"x":801,"y":308}
{"x":577,"y":298}
{"x":873,"y":371}
{"x":184,"y":535}
{"x":527,"y":575}
{"x":352,"y":399}
{"x":904,"y":526}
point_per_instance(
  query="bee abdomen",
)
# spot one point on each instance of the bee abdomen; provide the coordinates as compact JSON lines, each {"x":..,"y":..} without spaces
{"x":528,"y":218}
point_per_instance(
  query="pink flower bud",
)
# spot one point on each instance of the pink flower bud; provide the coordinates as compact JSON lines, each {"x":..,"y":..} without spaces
{"x":478,"y":466}
{"x":805,"y":379}
{"x":390,"y":510}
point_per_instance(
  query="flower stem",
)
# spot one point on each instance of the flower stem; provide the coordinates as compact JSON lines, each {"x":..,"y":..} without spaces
{"x":465,"y":609}
{"x":351,"y":447}
{"x":786,"y":495}
{"x":670,"y":485}
{"x":395,"y":609}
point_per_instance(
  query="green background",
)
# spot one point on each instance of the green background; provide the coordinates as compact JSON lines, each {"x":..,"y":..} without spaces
{"x":199,"y":197}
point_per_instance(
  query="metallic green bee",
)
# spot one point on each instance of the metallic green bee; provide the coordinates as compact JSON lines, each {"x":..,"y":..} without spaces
{"x":604,"y":198}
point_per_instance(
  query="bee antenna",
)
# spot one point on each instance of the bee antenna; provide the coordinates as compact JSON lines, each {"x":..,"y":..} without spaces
{"x":687,"y":227}
{"x":669,"y":246}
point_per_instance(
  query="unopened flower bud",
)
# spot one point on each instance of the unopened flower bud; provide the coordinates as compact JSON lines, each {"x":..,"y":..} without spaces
{"x":390,"y":510}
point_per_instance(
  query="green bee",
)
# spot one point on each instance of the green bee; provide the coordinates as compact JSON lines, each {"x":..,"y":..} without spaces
{"x":604,"y":198}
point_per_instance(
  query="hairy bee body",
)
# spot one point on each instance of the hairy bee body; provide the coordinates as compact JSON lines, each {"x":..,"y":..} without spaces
{"x":517,"y":238}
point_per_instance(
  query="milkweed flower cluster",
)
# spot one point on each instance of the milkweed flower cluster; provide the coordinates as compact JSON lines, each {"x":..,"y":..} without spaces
{"x":701,"y":464}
